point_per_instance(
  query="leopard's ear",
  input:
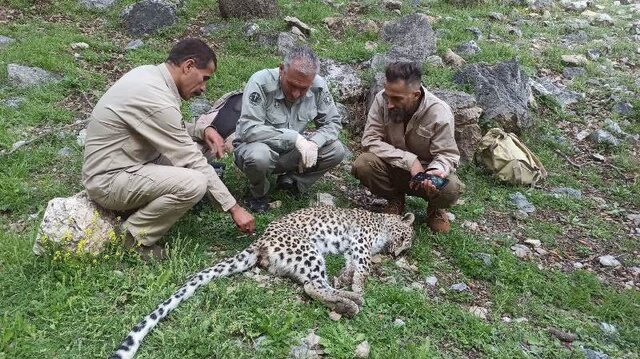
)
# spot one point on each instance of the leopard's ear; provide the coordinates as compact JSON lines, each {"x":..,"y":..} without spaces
{"x":408,"y":218}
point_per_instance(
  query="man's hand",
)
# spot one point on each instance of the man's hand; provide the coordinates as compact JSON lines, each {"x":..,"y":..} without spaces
{"x":214,"y":141}
{"x":243,"y":219}
{"x":308,"y":151}
{"x":429,"y":189}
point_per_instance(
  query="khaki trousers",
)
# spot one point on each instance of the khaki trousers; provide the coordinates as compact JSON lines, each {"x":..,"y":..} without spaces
{"x":257,"y":161}
{"x":159,"y":194}
{"x":392,"y":182}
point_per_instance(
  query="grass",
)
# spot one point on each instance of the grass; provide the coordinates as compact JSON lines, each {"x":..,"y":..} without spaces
{"x":83,"y":307}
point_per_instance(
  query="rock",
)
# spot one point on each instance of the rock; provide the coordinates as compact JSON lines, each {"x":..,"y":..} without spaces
{"x":335,"y":316}
{"x":608,"y":329}
{"x":77,"y":224}
{"x":576,"y":24}
{"x":64,"y":152}
{"x":286,"y":42}
{"x":578,"y":265}
{"x":343,"y":80}
{"x":593,"y":54}
{"x":598,"y":157}
{"x":473,"y":226}
{"x":325,"y":199}
{"x":148,"y":16}
{"x":248,"y":9}
{"x":199,"y":106}
{"x":398,"y":322}
{"x":603,"y":137}
{"x":459,"y":287}
{"x":134,"y":44}
{"x":479,"y":312}
{"x":468,"y":48}
{"x":392,"y":4}
{"x":370,"y":45}
{"x":521,"y":251}
{"x":362,"y":350}
{"x":212,"y":29}
{"x":476,"y":32}
{"x":302,"y":352}
{"x":435,"y":61}
{"x":431,"y":281}
{"x":592,"y":354}
{"x":454,"y":59}
{"x":502,"y":91}
{"x":546,"y":87}
{"x":533,"y":242}
{"x":296,"y":31}
{"x":623,"y":108}
{"x":5,"y":40}
{"x":541,"y":251}
{"x":250,"y":29}
{"x":576,"y":38}
{"x":312,"y":340}
{"x":576,"y":60}
{"x":522,"y":203}
{"x":506,"y":319}
{"x":275,"y":204}
{"x":18,"y":144}
{"x":514,"y":31}
{"x":562,"y":335}
{"x":12,"y":102}
{"x":294,"y":21}
{"x":79,"y":46}
{"x":573,"y":72}
{"x":635,"y":218}
{"x":608,"y":261}
{"x":634,"y":29}
{"x":97,"y":4}
{"x":565,"y":191}
{"x":635,"y":271}
{"x":572,"y":5}
{"x":82,"y":137}
{"x":520,"y":215}
{"x":24,"y":76}
{"x":345,"y":114}
{"x":484,"y":257}
{"x":451,"y":216}
{"x":602,"y":20}
{"x":520,"y":320}
{"x":411,"y":39}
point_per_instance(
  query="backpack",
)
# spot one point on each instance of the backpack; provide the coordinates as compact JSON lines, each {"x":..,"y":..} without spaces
{"x":509,"y":159}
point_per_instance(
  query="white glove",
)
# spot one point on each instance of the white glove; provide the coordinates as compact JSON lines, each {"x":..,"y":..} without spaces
{"x":308,"y":151}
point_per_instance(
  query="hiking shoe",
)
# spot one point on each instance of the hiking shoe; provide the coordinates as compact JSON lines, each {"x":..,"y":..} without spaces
{"x":438,"y":220}
{"x":394,"y":206}
{"x":287,"y":184}
{"x":147,"y":253}
{"x":258,"y":204}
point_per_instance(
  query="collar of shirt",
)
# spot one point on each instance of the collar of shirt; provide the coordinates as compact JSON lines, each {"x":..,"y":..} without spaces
{"x":171,"y":84}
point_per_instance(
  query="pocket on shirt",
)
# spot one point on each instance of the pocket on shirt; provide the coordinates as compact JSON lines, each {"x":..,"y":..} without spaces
{"x":276,"y":121}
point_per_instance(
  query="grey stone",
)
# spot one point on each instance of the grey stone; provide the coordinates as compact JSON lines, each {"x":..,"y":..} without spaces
{"x":250,"y":29}
{"x":484,"y":257}
{"x":576,"y":37}
{"x":468,"y":48}
{"x":64,"y":152}
{"x":411,"y":39}
{"x":514,"y":31}
{"x":476,"y":32}
{"x":398,"y":322}
{"x":576,"y":60}
{"x":5,"y":40}
{"x":608,"y":261}
{"x":496,"y":16}
{"x":592,"y":354}
{"x":566,"y":191}
{"x":459,"y":287}
{"x":212,"y":29}
{"x":431,"y":281}
{"x":573,"y":72}
{"x":572,"y":5}
{"x":343,"y":80}
{"x":608,"y":329}
{"x":13,"y":102}
{"x":521,"y":202}
{"x":345,"y":114}
{"x":602,"y":20}
{"x":603,"y":137}
{"x":77,"y":224}
{"x":502,"y":91}
{"x":635,"y":218}
{"x":248,"y":9}
{"x":25,"y":76}
{"x":576,"y":24}
{"x":613,"y":127}
{"x":295,"y":22}
{"x":520,"y":215}
{"x":199,"y":106}
{"x":623,"y":108}
{"x":97,"y":4}
{"x":148,"y":16}
{"x":303,"y":352}
{"x":82,"y":137}
{"x":325,"y":199}
{"x":546,"y":87}
{"x":593,"y":54}
{"x":434,"y":61}
{"x":134,"y":44}
{"x":392,"y":4}
{"x":634,"y":29}
{"x":286,"y":42}
{"x":521,"y":251}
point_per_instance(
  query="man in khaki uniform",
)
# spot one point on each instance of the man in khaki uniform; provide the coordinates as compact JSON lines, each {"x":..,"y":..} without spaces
{"x":409,"y":131}
{"x":277,"y":105}
{"x":139,"y":155}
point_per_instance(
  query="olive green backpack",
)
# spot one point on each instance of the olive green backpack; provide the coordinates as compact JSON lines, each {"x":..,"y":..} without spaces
{"x":509,"y":159}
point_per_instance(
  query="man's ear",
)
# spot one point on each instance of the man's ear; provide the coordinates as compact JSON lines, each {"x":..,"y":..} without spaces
{"x":188,"y":65}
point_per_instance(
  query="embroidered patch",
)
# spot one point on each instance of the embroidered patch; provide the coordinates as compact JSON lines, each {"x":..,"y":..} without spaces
{"x":255,"y":98}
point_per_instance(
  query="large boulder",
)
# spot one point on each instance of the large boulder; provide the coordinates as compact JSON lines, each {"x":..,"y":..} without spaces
{"x":502,"y":91}
{"x":466,"y":115}
{"x":148,"y":16}
{"x":75,"y":224}
{"x":25,"y":76}
{"x":343,"y":80}
{"x":247,"y":9}
{"x":410,"y":38}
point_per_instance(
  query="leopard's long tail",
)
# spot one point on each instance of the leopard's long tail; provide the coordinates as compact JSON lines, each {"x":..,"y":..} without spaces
{"x":239,"y":263}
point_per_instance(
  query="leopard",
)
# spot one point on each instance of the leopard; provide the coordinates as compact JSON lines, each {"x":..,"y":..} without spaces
{"x":295,"y":246}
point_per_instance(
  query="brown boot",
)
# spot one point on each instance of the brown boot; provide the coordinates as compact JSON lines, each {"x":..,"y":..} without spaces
{"x":394,"y":206}
{"x":154,"y":251}
{"x":437,"y":220}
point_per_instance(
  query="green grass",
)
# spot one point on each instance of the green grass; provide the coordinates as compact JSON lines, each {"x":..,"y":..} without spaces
{"x":83,"y":307}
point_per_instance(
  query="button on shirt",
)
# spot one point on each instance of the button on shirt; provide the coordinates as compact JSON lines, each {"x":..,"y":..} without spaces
{"x":137,"y":120}
{"x":267,"y":118}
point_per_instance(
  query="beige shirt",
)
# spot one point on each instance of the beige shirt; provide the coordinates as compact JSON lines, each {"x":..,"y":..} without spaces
{"x":137,"y":120}
{"x":267,"y":118}
{"x":429,"y":135}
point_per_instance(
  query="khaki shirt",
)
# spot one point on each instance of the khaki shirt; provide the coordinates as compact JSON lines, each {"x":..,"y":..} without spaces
{"x":137,"y":120}
{"x":266,"y":117}
{"x":429,"y":135}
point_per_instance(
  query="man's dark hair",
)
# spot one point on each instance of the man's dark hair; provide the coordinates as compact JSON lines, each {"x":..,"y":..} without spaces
{"x":194,"y":49}
{"x":409,"y":72}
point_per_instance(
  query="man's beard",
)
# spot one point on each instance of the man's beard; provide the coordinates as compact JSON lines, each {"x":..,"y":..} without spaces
{"x":398,"y":115}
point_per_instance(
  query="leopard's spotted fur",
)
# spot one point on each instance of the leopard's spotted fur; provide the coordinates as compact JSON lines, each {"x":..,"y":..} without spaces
{"x":294,"y":246}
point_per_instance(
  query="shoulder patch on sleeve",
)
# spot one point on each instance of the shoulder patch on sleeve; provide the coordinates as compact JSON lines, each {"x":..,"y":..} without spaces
{"x":255,"y":98}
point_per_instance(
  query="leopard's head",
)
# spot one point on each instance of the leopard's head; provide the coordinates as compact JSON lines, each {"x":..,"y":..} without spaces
{"x":401,"y":234}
